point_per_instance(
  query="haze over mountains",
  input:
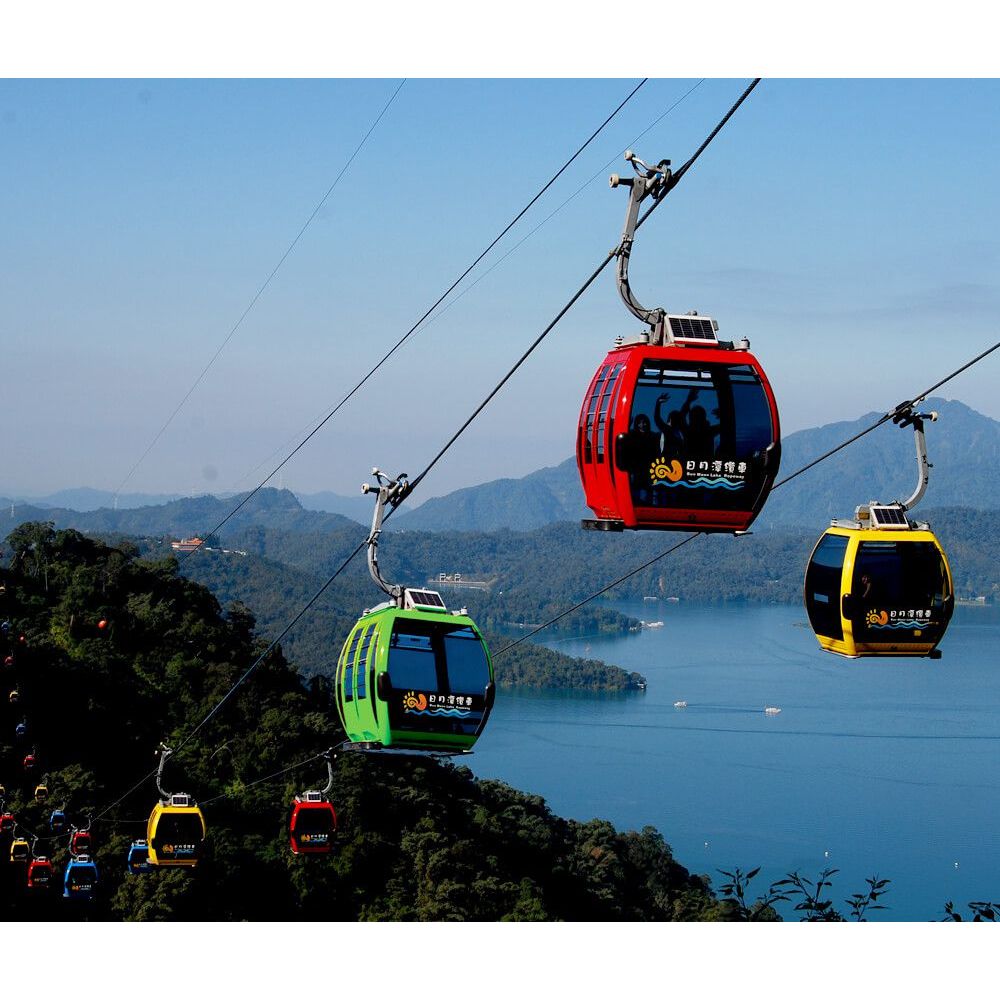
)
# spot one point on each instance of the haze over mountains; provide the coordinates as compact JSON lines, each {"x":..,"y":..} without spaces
{"x":963,"y":446}
{"x":964,"y":449}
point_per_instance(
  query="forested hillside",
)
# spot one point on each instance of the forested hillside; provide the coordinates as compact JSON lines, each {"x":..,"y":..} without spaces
{"x":537,"y":575}
{"x":417,"y":839}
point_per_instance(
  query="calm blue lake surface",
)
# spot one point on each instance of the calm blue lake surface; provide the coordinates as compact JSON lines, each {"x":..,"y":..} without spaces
{"x":890,"y":766}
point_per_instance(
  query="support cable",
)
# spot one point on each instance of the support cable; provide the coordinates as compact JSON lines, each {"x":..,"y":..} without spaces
{"x":259,"y":293}
{"x":406,"y":336}
{"x":898,"y":410}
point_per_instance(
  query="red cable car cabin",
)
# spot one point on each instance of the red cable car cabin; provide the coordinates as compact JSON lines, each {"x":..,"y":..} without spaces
{"x":40,"y":873}
{"x":312,"y":824}
{"x":80,"y":842}
{"x":678,"y":437}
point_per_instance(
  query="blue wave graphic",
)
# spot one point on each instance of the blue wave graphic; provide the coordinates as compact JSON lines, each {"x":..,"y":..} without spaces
{"x":904,"y":623}
{"x":702,"y":483}
{"x":457,"y":712}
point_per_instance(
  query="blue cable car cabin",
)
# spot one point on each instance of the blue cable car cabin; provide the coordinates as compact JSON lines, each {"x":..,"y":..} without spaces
{"x":80,"y":879}
{"x":138,"y":858}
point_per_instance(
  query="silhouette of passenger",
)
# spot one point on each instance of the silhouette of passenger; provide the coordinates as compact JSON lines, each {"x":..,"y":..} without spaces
{"x":700,"y":433}
{"x":645,"y":446}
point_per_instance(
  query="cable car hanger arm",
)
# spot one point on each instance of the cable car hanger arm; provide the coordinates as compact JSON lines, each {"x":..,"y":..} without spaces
{"x":391,"y":492}
{"x":649,"y":182}
{"x":904,"y":416}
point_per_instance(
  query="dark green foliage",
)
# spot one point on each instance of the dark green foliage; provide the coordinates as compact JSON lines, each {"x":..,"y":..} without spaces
{"x":533,"y":666}
{"x":417,"y":839}
{"x":807,"y":894}
{"x":981,"y":911}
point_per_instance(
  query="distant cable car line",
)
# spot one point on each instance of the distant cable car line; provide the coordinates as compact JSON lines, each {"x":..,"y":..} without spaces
{"x":402,"y":340}
{"x":260,"y":291}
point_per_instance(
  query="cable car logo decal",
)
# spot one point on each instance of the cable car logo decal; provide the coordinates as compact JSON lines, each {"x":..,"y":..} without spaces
{"x":414,"y":703}
{"x":452,"y":705}
{"x":185,"y":849}
{"x":663,"y":473}
{"x":660,"y":471}
{"x":898,"y":619}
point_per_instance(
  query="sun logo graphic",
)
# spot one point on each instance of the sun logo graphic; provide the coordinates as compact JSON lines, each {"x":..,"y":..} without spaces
{"x":663,"y":471}
{"x":874,"y":618}
{"x":413,"y":702}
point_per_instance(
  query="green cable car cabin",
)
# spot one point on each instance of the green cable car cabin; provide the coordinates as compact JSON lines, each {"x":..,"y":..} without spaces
{"x":415,"y":677}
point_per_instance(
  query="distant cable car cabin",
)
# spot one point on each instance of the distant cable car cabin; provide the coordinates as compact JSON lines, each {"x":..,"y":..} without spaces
{"x":313,"y":821}
{"x":880,"y":584}
{"x":80,"y":879}
{"x":137,"y":861}
{"x":176,"y":829}
{"x":40,"y":873}
{"x":679,"y":430}
{"x":41,"y":793}
{"x":20,"y":850}
{"x":412,"y":675}
{"x":7,"y":822}
{"x":80,"y":842}
{"x":57,"y":821}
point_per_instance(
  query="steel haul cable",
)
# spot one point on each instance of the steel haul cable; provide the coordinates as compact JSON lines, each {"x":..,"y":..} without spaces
{"x":406,"y":336}
{"x":465,"y":291}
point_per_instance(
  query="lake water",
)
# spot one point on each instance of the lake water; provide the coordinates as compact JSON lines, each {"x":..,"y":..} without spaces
{"x":890,"y":766}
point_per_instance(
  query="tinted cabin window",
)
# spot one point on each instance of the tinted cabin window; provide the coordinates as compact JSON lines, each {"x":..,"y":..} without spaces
{"x":314,"y":820}
{"x":602,"y":415}
{"x":823,"y":582}
{"x":468,"y":671}
{"x":588,"y":427}
{"x":412,"y":663}
{"x":697,"y":436}
{"x":439,"y":675}
{"x":361,"y":672}
{"x":176,"y":829}
{"x":348,"y":684}
{"x":82,"y":875}
{"x":899,"y":591}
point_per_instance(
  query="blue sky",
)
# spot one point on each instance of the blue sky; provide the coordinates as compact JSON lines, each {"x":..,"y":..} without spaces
{"x":846,"y":227}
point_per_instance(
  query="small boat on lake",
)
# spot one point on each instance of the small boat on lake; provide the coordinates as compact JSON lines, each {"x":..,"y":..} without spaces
{"x":772,"y":710}
{"x":680,"y":704}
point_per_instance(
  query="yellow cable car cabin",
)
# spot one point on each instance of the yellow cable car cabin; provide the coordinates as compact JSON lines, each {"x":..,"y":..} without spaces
{"x":880,"y":584}
{"x":175,"y":832}
{"x":882,"y":590}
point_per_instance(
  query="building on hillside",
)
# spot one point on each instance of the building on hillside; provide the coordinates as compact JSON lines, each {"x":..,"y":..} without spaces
{"x":186,"y":545}
{"x":462,"y":582}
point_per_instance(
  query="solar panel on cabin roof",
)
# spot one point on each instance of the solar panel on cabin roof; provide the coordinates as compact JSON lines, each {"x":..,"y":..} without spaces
{"x":692,"y":328}
{"x":888,"y":517}
{"x":427,"y":597}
